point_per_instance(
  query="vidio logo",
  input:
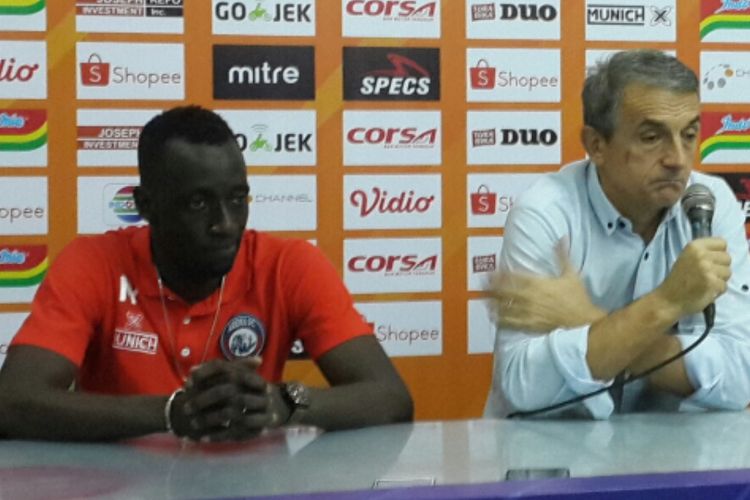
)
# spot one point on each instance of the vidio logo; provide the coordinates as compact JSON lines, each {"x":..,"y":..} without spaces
{"x":287,"y":12}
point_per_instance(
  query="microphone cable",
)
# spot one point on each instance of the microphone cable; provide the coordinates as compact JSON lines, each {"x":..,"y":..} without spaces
{"x":709,"y":316}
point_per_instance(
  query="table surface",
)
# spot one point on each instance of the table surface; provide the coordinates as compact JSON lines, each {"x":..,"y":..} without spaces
{"x":443,"y":453}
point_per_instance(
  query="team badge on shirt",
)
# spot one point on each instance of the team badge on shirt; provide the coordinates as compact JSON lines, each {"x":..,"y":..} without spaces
{"x":243,"y":336}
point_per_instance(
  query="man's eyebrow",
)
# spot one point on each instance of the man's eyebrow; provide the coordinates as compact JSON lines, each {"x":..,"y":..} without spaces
{"x":659,"y":124}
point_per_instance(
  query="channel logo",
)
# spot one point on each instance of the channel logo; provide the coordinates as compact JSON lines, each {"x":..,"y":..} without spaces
{"x":513,"y":75}
{"x":22,"y":268}
{"x":109,"y":137}
{"x":491,"y":196}
{"x":412,"y":328}
{"x":264,"y":17}
{"x":725,"y":21}
{"x":393,"y":265}
{"x":23,"y":137}
{"x":138,"y":71}
{"x":725,"y":77}
{"x":392,"y":201}
{"x":23,"y":15}
{"x":530,"y":20}
{"x":251,"y":72}
{"x":130,"y":16}
{"x":275,"y":137}
{"x":283,"y":203}
{"x":513,"y":137}
{"x":391,"y":18}
{"x":391,"y":74}
{"x":725,"y":138}
{"x":392,"y":138}
{"x":23,"y":70}
{"x":627,"y":20}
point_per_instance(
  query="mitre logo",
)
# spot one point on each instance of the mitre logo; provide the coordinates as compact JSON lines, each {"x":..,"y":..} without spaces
{"x":383,"y":74}
{"x":264,"y":72}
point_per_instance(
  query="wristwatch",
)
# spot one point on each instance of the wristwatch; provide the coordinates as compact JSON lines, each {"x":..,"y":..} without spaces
{"x":297,"y":398}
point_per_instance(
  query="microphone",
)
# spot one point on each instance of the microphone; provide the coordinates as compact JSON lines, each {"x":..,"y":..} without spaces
{"x":698,"y":205}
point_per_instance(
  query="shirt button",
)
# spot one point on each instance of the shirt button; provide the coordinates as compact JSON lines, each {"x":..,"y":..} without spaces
{"x":621,"y":225}
{"x":185,"y":352}
{"x":186,"y":320}
{"x":610,"y":225}
{"x":645,"y":257}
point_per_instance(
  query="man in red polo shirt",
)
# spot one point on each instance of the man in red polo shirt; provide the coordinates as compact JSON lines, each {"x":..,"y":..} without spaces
{"x":184,"y":325}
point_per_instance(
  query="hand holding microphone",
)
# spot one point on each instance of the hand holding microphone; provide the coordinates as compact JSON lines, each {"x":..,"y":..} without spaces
{"x":701,"y":272}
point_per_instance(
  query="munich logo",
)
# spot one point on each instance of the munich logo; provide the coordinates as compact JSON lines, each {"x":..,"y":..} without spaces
{"x":22,"y":129}
{"x":125,"y":340}
{"x":264,"y":72}
{"x":382,"y":74}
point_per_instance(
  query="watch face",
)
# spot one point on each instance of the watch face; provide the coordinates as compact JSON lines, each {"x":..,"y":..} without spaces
{"x":298,"y":394}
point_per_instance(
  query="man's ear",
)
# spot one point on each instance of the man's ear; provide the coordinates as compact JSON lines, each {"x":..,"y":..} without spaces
{"x":143,"y":202}
{"x":594,"y":143}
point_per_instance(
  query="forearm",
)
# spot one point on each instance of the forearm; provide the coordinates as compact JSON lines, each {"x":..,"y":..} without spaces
{"x":358,"y":404}
{"x":672,"y":377}
{"x":617,"y":340}
{"x":78,"y":416}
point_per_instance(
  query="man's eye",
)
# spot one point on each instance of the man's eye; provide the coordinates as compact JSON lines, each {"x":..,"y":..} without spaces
{"x":197,"y":204}
{"x":649,"y":138}
{"x":690,"y":135}
{"x":241,"y":199}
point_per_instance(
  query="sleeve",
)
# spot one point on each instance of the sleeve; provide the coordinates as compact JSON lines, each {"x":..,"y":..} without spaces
{"x":321,"y":307}
{"x":719,"y":368}
{"x":531,"y":371}
{"x":67,"y":307}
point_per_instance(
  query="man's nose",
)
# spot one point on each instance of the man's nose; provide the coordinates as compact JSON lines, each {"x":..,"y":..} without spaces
{"x":221,"y":219}
{"x":676,"y":155}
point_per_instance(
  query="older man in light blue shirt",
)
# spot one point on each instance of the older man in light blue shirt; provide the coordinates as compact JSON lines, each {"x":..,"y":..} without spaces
{"x":630,"y":288}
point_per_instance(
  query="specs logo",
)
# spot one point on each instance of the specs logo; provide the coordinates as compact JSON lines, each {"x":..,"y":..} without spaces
{"x":9,"y":72}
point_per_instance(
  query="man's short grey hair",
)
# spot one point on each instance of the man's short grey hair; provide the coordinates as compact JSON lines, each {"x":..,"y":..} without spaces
{"x":606,"y":83}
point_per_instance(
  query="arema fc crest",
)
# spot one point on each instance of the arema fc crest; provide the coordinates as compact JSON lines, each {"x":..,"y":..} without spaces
{"x":243,"y":337}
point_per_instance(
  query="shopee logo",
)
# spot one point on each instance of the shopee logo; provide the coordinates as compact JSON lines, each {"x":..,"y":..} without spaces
{"x":95,"y":72}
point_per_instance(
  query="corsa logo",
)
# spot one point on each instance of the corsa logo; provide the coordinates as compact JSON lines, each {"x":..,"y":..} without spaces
{"x":724,"y":15}
{"x":21,"y":7}
{"x":22,"y":265}
{"x":390,"y":8}
{"x":725,"y":132}
{"x":22,"y":129}
{"x":392,"y":264}
{"x":392,"y":137}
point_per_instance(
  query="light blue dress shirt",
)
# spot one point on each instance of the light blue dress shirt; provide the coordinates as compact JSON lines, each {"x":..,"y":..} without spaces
{"x":531,"y":371}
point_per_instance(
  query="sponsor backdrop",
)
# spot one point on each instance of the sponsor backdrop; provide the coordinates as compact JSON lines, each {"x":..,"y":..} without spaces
{"x":393,"y":134}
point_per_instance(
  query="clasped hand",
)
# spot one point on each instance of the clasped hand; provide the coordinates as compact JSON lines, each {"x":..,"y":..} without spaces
{"x":227,"y":401}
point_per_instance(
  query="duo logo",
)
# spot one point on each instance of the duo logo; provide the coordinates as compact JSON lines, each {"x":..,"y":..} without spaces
{"x":724,"y":14}
{"x":22,"y":129}
{"x":724,"y":131}
{"x":21,"y":7}
{"x":123,"y":205}
{"x":22,"y":265}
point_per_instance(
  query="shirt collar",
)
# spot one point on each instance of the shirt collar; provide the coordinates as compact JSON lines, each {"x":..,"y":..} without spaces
{"x":609,"y":217}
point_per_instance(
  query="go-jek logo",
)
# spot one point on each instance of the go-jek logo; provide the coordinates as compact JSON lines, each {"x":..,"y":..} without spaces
{"x":725,"y":20}
{"x":22,"y":129}
{"x":123,"y":205}
{"x":21,"y":7}
{"x":22,"y":265}
{"x":725,"y":138}
{"x":281,"y":12}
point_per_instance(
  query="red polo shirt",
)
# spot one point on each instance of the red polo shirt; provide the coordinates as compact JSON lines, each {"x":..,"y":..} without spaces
{"x":100,"y":307}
